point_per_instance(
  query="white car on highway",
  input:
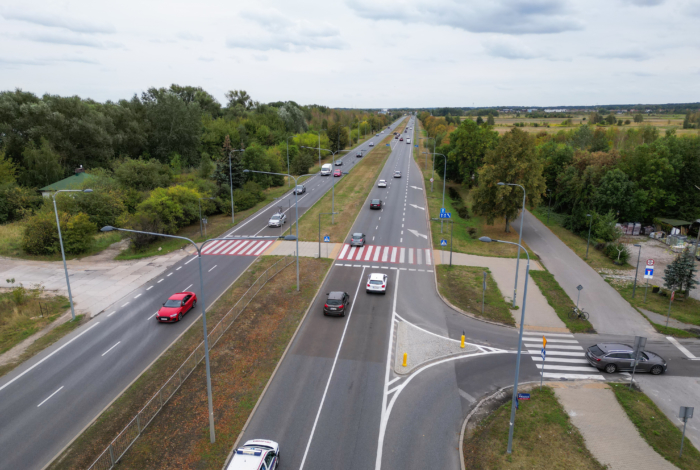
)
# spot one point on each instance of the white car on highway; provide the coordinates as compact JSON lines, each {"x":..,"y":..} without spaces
{"x":376,"y":282}
{"x":371,"y":144}
{"x":382,"y":184}
{"x":258,"y":454}
{"x":277,"y":220}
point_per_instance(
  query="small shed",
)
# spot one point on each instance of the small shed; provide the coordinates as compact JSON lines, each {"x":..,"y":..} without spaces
{"x":72,"y":182}
{"x":667,"y":225}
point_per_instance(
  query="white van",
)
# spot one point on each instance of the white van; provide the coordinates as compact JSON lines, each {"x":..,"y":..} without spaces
{"x":408,"y":141}
{"x":326,"y":169}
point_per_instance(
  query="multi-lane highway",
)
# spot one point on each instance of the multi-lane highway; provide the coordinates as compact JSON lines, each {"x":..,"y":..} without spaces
{"x":47,"y":401}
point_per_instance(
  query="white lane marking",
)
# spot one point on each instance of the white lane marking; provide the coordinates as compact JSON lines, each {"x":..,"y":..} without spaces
{"x":682,"y":348}
{"x":110,"y":314}
{"x":231,"y":247}
{"x":389,"y":392}
{"x":401,"y":240}
{"x":170,"y":274}
{"x":191,"y":260}
{"x":555,"y":375}
{"x":539,"y":335}
{"x":554,"y":346}
{"x":125,"y":304}
{"x":263,"y":247}
{"x":54,"y":393}
{"x":212,"y":268}
{"x":330,"y":376}
{"x":151,"y":316}
{"x":342,"y":253}
{"x":178,"y":268}
{"x":103,"y":354}
{"x":394,"y":380}
{"x":137,"y":296}
{"x":239,"y":247}
{"x":565,"y":368}
{"x":377,"y":227}
{"x":188,"y":287}
{"x":553,"y":340}
{"x":369,"y":252}
{"x":160,"y":281}
{"x":560,"y":359}
{"x":466,"y":396}
{"x":48,"y":356}
{"x":427,"y":257}
{"x":555,"y":353}
{"x":150,"y":288}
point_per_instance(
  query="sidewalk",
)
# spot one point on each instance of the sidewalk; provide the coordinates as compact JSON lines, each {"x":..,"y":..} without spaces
{"x":661,"y":320}
{"x":308,"y":249}
{"x":539,"y":315}
{"x":609,"y":434}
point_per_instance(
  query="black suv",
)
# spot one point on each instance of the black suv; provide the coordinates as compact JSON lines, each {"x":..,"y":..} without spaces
{"x":375,"y":204}
{"x":336,"y":304}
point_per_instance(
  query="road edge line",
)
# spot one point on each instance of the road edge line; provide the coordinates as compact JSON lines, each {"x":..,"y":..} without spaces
{"x":142,"y":372}
{"x":274,"y":372}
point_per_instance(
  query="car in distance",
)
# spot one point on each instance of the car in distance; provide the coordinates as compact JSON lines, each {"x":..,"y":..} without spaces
{"x":401,"y":139}
{"x":277,"y":220}
{"x":326,"y":169}
{"x":336,"y":304}
{"x":375,"y":204}
{"x":338,"y":173}
{"x":408,"y":141}
{"x":377,"y":134}
{"x":357,"y":239}
{"x":359,"y":155}
{"x":176,"y":306}
{"x":614,"y":357}
{"x":381,"y":184}
{"x":258,"y":454}
{"x":299,"y":189}
{"x":397,"y":174}
{"x":338,"y":163}
{"x":371,"y":144}
{"x":396,"y":137}
{"x":376,"y":282}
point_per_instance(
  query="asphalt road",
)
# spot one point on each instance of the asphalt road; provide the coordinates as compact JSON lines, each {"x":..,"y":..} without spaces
{"x":48,"y":400}
{"x":331,"y":404}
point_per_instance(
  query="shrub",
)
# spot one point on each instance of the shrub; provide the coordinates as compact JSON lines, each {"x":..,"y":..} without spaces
{"x":617,"y":252}
{"x":40,"y":235}
{"x":78,"y":234}
{"x":141,"y":174}
{"x":472,"y":232}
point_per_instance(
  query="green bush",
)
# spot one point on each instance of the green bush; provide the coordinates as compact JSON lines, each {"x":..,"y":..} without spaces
{"x":40,"y":235}
{"x":617,"y":252}
{"x":78,"y":234}
{"x":142,"y":175}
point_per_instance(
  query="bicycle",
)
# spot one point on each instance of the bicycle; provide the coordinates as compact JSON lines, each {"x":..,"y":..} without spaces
{"x":578,"y":314}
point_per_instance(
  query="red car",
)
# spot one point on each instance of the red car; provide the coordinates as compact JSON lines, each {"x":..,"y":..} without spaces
{"x":338,"y":173}
{"x":401,"y":139}
{"x":176,"y":306}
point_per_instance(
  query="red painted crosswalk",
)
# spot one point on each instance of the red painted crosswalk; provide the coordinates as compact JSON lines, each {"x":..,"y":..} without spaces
{"x":386,"y":254}
{"x":237,"y":247}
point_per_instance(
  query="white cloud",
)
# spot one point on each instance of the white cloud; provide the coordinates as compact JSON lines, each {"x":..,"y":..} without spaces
{"x":624,"y":54}
{"x":61,"y":37}
{"x":188,"y":36}
{"x":508,"y":49}
{"x":55,"y":20}
{"x":645,"y":3}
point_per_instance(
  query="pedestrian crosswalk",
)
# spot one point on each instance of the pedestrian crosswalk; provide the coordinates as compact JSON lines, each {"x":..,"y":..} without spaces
{"x":386,"y":254}
{"x":251,"y":247}
{"x":564,"y":359}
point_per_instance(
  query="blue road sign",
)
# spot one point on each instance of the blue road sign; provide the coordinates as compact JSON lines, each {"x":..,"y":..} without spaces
{"x":442,"y":211}
{"x":649,"y":272}
{"x":387,"y":145}
{"x":416,"y":146}
{"x":446,"y":215}
{"x":326,"y":238}
{"x":523,"y":396}
{"x":443,"y":242}
{"x":543,"y":353}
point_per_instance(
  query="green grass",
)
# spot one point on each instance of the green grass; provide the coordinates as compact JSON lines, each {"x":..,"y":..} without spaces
{"x":559,"y":301}
{"x":462,"y":242}
{"x":685,"y":310}
{"x":653,"y":425}
{"x":463,"y":287}
{"x":596,"y":259}
{"x":544,"y":438}
{"x":669,"y":331}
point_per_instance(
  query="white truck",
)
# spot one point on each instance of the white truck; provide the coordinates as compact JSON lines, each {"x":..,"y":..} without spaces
{"x":408,"y":141}
{"x":326,"y":169}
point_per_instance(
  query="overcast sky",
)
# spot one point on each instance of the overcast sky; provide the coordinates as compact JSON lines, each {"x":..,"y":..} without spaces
{"x":359,"y":53}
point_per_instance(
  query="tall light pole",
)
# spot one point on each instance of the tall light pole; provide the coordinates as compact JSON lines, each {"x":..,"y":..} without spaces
{"x":520,"y":238}
{"x":230,"y":178}
{"x":444,"y":179}
{"x":514,"y":399}
{"x":289,"y":180}
{"x":589,"y":233}
{"x":639,"y":255}
{"x":60,"y":240}
{"x":333,"y":189}
{"x":200,"y":213}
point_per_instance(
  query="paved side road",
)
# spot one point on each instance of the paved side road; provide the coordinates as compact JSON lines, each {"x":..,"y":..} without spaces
{"x":610,"y":313}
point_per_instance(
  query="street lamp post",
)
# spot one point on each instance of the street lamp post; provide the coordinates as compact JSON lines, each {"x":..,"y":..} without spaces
{"x":590,"y":224}
{"x":520,"y":344}
{"x":230,"y":177}
{"x":60,"y":241}
{"x":520,"y":238}
{"x":634,"y":289}
{"x":289,"y":180}
{"x":444,"y":179}
{"x":333,"y":189}
{"x":200,"y":213}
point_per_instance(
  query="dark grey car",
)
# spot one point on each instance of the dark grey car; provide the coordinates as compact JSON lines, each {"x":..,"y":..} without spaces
{"x":357,"y":239}
{"x":617,"y":357}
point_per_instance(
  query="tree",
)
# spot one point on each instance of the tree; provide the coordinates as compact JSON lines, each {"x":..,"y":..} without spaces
{"x":337,"y":136}
{"x":468,"y":145}
{"x":221,"y":172}
{"x":514,"y":160}
{"x":490,"y":121}
{"x":141,"y":174}
{"x":617,"y":193}
{"x":610,"y":119}
{"x":78,"y":234}
{"x":638,"y":118}
{"x":42,"y":165}
{"x":8,"y":170}
{"x":206,"y":167}
{"x":479,"y":121}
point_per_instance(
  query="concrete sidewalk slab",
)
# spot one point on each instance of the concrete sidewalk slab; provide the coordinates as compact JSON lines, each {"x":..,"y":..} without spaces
{"x":609,"y":434}
{"x":539,"y":315}
{"x":307,"y":249}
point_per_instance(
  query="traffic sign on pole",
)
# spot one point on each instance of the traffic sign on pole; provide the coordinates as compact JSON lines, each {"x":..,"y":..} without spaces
{"x":442,"y":210}
{"x":650,"y":262}
{"x":445,"y":215}
{"x":544,"y":342}
{"x":523,"y":396}
{"x":649,"y":272}
{"x":432,"y":179}
{"x":443,"y":242}
{"x":326,"y":238}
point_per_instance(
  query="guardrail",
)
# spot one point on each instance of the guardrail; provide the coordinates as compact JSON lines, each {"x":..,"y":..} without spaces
{"x":126,"y":438}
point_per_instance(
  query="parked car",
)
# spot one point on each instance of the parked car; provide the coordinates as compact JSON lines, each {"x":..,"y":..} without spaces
{"x":338,"y":163}
{"x":375,"y":204}
{"x":357,"y":239}
{"x":259,"y":454}
{"x":176,"y":307}
{"x":299,"y":189}
{"x":377,"y":282}
{"x":337,"y":303}
{"x":397,"y":174}
{"x":381,"y":184}
{"x":277,"y":220}
{"x":617,"y":357}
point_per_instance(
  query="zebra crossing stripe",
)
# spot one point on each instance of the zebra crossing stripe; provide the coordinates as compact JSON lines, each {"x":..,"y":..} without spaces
{"x":342,"y":253}
{"x":359,"y":253}
{"x":410,"y":256}
{"x":263,"y":247}
{"x":369,"y":253}
{"x":221,"y":247}
{"x":385,"y":255}
{"x":255,"y":247}
{"x":393,"y":255}
{"x":376,"y":253}
{"x":565,"y":368}
{"x":554,"y":346}
{"x":402,"y":255}
{"x":211,"y":247}
{"x":239,"y":247}
{"x":229,"y":250}
{"x":419,"y":254}
{"x":550,"y":375}
{"x":427,"y":256}
{"x":556,"y":353}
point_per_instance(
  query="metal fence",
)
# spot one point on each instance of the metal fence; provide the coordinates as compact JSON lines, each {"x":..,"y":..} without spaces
{"x":125,"y":439}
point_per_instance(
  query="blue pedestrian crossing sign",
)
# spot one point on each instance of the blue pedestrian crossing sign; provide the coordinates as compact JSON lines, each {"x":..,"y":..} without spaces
{"x":543,"y":353}
{"x":445,"y":215}
{"x":326,"y":238}
{"x":649,"y":272}
{"x":443,"y":242}
{"x":442,"y":210}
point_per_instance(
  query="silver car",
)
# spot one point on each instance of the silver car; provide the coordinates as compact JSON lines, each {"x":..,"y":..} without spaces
{"x":616,"y":357}
{"x":277,"y":220}
{"x":376,"y":282}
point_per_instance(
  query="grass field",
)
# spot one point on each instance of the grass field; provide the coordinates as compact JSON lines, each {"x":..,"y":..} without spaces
{"x":463,"y":287}
{"x":559,"y":301}
{"x":653,"y":425}
{"x":463,"y":241}
{"x":544,"y":438}
{"x":350,"y":193}
{"x":241,"y":365}
{"x":686,"y":310}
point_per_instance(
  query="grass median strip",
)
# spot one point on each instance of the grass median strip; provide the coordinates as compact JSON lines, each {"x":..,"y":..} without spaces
{"x":350,"y":194}
{"x":463,"y":287}
{"x":241,"y":364}
{"x":560,"y":301}
{"x":544,"y":438}
{"x":683,"y":309}
{"x":653,"y":425}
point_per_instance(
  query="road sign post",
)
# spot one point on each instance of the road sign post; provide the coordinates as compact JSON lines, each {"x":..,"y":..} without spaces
{"x":685,"y":414}
{"x":668,"y":315}
{"x":579,"y":288}
{"x":639,"y":343}
{"x":543,"y":353}
{"x":326,"y":238}
{"x":483,"y":295}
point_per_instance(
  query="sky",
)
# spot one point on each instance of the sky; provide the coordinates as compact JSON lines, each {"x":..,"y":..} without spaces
{"x":359,"y":53}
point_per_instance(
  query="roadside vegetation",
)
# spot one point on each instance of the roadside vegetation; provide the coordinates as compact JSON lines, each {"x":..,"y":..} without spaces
{"x":351,"y":191}
{"x":541,"y":422}
{"x":653,"y":425}
{"x":560,"y":301}
{"x":462,"y":286}
{"x":241,"y":365}
{"x":684,"y":308}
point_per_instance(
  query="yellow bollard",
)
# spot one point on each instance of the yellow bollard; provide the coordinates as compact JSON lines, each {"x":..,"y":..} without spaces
{"x":462,"y":345}
{"x":405,"y":358}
